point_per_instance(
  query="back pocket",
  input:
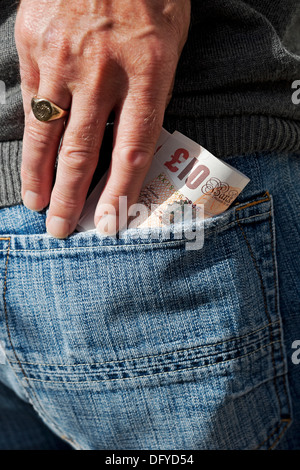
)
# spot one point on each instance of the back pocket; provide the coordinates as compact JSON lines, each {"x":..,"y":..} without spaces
{"x":164,"y":347}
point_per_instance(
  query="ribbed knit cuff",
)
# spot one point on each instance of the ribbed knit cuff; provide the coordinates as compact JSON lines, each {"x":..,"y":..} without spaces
{"x":239,"y":135}
{"x":226,"y":136}
{"x":10,"y":166}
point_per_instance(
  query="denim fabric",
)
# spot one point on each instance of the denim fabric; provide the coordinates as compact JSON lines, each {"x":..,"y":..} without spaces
{"x":21,"y":428}
{"x":138,"y":343}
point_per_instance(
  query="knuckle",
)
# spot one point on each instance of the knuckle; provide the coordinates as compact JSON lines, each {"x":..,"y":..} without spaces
{"x":152,"y":58}
{"x":112,"y":195}
{"x":76,"y":160}
{"x":29,"y":175}
{"x":134,"y":159}
{"x":23,"y":34}
{"x":60,"y":41}
{"x":156,"y":63}
{"x":178,"y":20}
{"x":61,"y":201}
{"x":83,"y":136}
{"x":55,"y":61}
{"x":36,"y":134}
{"x":160,"y":53}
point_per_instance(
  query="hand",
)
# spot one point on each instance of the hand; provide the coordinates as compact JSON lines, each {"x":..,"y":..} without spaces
{"x":94,"y":56}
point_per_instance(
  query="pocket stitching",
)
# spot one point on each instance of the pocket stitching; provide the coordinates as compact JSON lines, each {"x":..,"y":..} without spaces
{"x":287,"y":420}
{"x":41,"y":408}
{"x":176,"y":371}
{"x":153,"y":355}
{"x":159,"y":243}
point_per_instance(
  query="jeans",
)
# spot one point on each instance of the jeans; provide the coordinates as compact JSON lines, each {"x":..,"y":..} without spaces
{"x":136,"y":342}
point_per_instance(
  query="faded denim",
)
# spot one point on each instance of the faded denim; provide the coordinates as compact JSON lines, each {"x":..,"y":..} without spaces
{"x":138,"y":343}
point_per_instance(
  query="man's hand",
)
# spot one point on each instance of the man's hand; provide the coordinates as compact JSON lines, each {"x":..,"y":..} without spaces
{"x":92,"y":57}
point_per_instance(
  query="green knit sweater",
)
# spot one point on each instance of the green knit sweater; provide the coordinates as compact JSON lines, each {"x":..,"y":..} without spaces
{"x":234,"y":86}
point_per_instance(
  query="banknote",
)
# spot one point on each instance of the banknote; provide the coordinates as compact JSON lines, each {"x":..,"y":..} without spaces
{"x":183,"y":174}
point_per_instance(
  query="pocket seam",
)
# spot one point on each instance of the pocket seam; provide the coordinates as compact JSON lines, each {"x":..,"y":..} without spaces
{"x":287,"y":423}
{"x":137,"y":377}
{"x":276,"y":308}
{"x":153,"y":355}
{"x":254,"y":203}
{"x":40,"y":409}
{"x":162,"y":243}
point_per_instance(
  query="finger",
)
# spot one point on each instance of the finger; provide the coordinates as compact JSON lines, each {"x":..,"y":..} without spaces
{"x":77,"y":161}
{"x":30,"y":79}
{"x":137,"y":131}
{"x":41,"y":142}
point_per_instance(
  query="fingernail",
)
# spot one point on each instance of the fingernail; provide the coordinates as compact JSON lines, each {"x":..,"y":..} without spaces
{"x":33,"y":201}
{"x":58,"y":227}
{"x":107,"y":225}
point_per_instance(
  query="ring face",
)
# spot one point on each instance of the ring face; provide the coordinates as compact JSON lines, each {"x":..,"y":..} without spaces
{"x":44,"y":110}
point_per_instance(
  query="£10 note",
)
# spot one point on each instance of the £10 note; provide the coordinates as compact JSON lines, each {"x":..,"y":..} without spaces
{"x":182,"y":174}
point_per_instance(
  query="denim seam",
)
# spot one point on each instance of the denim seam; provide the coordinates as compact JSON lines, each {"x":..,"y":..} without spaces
{"x":235,"y":222}
{"x":42,"y":411}
{"x":172,"y":242}
{"x":287,"y":423}
{"x":278,"y":427}
{"x":254,"y":203}
{"x":288,"y":420}
{"x":172,"y":360}
{"x":158,"y":373}
{"x":268,"y":198}
{"x":264,"y":299}
{"x":153,"y":355}
{"x":276,"y":297}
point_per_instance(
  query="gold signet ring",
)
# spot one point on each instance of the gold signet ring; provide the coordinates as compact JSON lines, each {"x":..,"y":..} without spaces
{"x":45,"y":110}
